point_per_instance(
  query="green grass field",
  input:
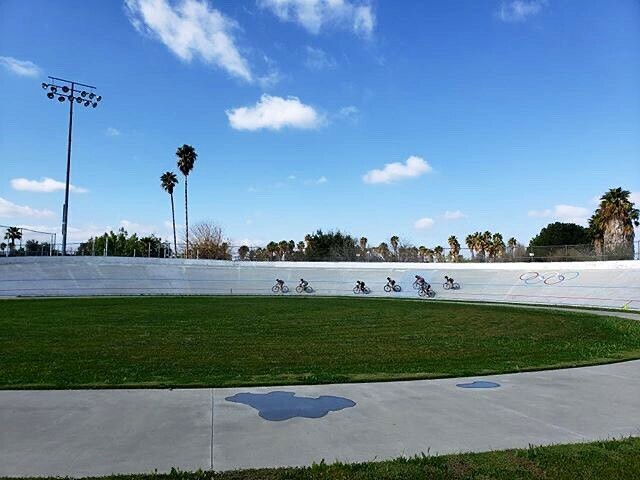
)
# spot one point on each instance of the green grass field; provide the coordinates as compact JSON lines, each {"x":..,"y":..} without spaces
{"x":226,"y":341}
{"x":611,"y":460}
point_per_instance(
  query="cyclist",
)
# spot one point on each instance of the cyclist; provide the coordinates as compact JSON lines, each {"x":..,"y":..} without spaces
{"x":449,"y":280}
{"x":424,"y":285}
{"x":419,"y":280}
{"x":280,"y":283}
{"x":360,"y":286}
{"x":304,"y":284}
{"x":391,"y":282}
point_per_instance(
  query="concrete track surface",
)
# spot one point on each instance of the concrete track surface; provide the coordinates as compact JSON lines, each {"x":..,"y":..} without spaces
{"x":100,"y":432}
{"x":600,"y":284}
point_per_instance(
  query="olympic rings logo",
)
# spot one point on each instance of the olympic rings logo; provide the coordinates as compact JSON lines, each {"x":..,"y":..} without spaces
{"x":548,"y":278}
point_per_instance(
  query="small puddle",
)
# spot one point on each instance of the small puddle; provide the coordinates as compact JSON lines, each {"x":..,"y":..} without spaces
{"x":278,"y":406}
{"x":478,"y":384}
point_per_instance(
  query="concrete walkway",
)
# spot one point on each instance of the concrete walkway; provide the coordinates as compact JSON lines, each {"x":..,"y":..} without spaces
{"x":80,"y":433}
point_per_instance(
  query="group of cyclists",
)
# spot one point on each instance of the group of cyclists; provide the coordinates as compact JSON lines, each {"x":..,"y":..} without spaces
{"x":303,"y":286}
{"x":420,"y":284}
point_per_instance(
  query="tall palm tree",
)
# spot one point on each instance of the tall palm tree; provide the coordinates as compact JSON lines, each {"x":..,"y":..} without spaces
{"x":438,"y":251}
{"x":363,"y":247}
{"x":454,"y":245}
{"x":470,"y":240}
{"x":613,"y":222}
{"x":168,"y":181}
{"x":383,"y":250}
{"x":496,"y":246}
{"x":512,"y":243}
{"x":422,"y":251}
{"x":283,"y":248}
{"x":484,"y":241}
{"x":394,"y":244}
{"x":272,"y":250}
{"x":12,"y":234}
{"x":186,"y":159}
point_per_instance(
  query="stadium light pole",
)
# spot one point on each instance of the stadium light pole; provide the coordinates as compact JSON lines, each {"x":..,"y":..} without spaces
{"x":82,"y":94}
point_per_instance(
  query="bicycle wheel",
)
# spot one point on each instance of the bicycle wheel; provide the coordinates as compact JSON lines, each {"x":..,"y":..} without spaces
{"x":432,"y":294}
{"x":285,"y":289}
{"x":275,"y":289}
{"x":366,"y":290}
{"x":446,"y":286}
{"x":416,"y":286}
{"x":356,"y":290}
{"x":387,"y":288}
{"x":397,"y":288}
{"x":456,"y":286}
{"x":308,"y":289}
{"x":422,"y":292}
{"x":299,"y":289}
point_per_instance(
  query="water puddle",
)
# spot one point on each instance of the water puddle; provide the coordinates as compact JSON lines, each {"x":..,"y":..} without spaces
{"x":278,"y":406}
{"x":478,"y":384}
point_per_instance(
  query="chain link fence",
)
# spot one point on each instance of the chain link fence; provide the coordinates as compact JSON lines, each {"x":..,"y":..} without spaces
{"x":158,"y":249}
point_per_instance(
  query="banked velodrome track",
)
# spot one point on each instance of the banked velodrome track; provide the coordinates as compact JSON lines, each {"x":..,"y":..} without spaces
{"x":99,"y":432}
{"x":596,"y":284}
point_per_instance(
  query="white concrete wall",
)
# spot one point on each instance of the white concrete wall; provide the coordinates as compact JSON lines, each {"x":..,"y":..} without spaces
{"x":606,"y":284}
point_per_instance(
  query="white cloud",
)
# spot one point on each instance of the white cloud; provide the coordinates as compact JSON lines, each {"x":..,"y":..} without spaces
{"x":270,"y":79}
{"x":318,"y":59}
{"x":112,"y":132}
{"x":24,"y":68}
{"x":424,"y":223}
{"x":519,"y":10}
{"x":11,"y":210}
{"x":275,"y":113}
{"x":314,"y":15}
{"x":44,"y":185}
{"x":317,"y":181}
{"x":350,"y":113}
{"x":635,"y":198}
{"x":140,"y":228}
{"x":191,"y":28}
{"x":392,"y":172}
{"x":454,"y":215}
{"x":249,"y":242}
{"x":564,"y":213}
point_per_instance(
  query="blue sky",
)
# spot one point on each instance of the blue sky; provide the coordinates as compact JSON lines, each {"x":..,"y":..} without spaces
{"x":421,"y":119}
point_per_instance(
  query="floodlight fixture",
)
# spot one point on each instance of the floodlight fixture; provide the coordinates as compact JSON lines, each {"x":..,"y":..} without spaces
{"x":69,"y":88}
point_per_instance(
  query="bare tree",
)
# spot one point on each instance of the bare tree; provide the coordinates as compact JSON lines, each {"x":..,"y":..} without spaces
{"x":207,"y":240}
